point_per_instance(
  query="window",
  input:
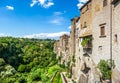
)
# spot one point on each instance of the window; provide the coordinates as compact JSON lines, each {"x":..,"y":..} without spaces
{"x":100,"y":48}
{"x":81,"y":25}
{"x":84,"y":26}
{"x":102,"y":31}
{"x":115,"y":38}
{"x":115,"y":2}
{"x":84,"y":23}
{"x":104,"y":3}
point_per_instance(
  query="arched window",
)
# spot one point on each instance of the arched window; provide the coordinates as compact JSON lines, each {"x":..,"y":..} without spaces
{"x":104,"y":3}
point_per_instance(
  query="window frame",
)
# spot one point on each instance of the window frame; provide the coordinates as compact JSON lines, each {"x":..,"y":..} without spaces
{"x":102,"y":31}
{"x":105,"y":2}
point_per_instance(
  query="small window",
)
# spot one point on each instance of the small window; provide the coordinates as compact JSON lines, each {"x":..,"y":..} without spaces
{"x":81,"y":25}
{"x":104,"y":3}
{"x":102,"y":31}
{"x":115,"y":38}
{"x":100,"y":48}
{"x":85,"y":24}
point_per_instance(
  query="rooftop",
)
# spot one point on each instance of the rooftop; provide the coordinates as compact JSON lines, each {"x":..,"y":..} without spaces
{"x":85,"y":4}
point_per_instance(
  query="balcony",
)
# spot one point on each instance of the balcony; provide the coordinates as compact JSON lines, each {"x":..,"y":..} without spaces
{"x":87,"y":45}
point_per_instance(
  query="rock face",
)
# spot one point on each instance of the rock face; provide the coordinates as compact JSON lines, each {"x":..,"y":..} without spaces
{"x":89,"y":72}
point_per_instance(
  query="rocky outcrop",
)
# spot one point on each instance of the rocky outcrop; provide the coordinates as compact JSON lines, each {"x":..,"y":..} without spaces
{"x":88,"y":71}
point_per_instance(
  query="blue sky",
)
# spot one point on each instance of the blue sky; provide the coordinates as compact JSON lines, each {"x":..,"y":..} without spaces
{"x":37,"y":18}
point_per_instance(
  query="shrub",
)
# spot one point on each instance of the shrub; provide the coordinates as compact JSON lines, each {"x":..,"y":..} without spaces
{"x":36,"y":75}
{"x":21,"y":68}
{"x":21,"y":80}
{"x":73,"y":81}
{"x":85,"y":41}
{"x":105,"y":69}
{"x":69,"y":75}
{"x":2,"y":62}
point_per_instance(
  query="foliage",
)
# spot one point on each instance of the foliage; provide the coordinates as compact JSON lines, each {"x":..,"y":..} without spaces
{"x":2,"y":62}
{"x":69,"y":75}
{"x":59,"y":58}
{"x":68,"y":64}
{"x":105,"y":69}
{"x":73,"y":58}
{"x":36,"y":75}
{"x":85,"y":41}
{"x":28,"y":61}
{"x":21,"y":68}
{"x":73,"y":81}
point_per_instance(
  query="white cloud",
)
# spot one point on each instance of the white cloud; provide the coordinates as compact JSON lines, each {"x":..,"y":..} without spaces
{"x":4,"y":35}
{"x":46,"y":35}
{"x":43,"y":3}
{"x":49,"y":4}
{"x":81,"y":3}
{"x":57,"y":18}
{"x":58,"y":13}
{"x":69,"y":27}
{"x":33,"y":3}
{"x":10,"y":7}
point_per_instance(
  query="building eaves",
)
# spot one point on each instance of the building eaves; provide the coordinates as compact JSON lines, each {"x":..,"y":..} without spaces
{"x":115,"y":1}
{"x":85,"y":4}
{"x":75,"y":18}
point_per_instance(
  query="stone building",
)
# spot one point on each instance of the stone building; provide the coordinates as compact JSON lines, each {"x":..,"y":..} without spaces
{"x":72,"y":36}
{"x":57,"y":48}
{"x":64,"y":49}
{"x":116,"y":40}
{"x":101,"y":30}
{"x":94,"y":36}
{"x":75,"y":68}
{"x":87,"y":68}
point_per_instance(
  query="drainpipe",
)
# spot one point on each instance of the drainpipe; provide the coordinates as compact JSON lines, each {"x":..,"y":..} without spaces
{"x":111,"y":38}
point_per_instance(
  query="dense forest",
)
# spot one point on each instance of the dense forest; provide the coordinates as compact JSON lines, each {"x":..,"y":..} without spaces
{"x":28,"y":61}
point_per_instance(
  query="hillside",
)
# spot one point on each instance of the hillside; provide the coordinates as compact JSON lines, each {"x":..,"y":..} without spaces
{"x":28,"y":61}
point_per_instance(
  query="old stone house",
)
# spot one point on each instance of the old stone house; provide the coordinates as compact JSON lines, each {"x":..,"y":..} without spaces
{"x":116,"y":40}
{"x":57,"y":48}
{"x":94,"y":36}
{"x":61,"y":48}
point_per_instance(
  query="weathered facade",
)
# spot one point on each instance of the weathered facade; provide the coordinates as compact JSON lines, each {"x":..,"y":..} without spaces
{"x":94,"y":36}
{"x":116,"y":40}
{"x":61,"y":48}
{"x":101,"y":30}
{"x":57,"y":48}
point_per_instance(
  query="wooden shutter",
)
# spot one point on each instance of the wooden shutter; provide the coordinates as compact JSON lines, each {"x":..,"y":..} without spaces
{"x":102,"y":31}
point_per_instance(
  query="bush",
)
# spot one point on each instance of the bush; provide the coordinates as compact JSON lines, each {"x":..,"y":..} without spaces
{"x":73,"y":81}
{"x":105,"y":69}
{"x":21,"y":80}
{"x":36,"y":75}
{"x":2,"y":62}
{"x":1,"y":80}
{"x":21,"y":68}
{"x":68,"y":75}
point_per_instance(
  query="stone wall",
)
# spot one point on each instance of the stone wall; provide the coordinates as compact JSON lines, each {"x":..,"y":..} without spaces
{"x":94,"y":17}
{"x":116,"y":41}
{"x":101,"y":18}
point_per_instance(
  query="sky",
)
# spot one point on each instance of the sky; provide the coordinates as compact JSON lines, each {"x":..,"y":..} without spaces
{"x":37,"y":18}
